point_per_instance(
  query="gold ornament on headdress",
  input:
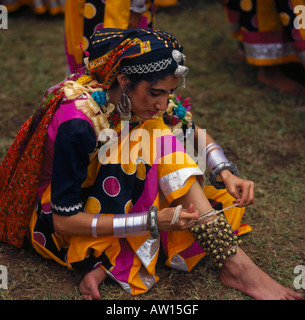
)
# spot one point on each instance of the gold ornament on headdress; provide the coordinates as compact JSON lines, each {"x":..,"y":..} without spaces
{"x":98,"y":117}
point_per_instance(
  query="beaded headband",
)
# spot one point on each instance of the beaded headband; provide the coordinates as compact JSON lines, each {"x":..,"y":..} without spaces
{"x":147,"y":67}
{"x":156,"y":66}
{"x":109,"y":47}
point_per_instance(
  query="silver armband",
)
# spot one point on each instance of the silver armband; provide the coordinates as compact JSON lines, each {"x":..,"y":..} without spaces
{"x":214,"y":155}
{"x":216,"y":163}
{"x":128,"y":225}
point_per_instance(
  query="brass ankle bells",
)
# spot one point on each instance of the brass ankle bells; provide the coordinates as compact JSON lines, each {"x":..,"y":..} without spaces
{"x":217,"y":239}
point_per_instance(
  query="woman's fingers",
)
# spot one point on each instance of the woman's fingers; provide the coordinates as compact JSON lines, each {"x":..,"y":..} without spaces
{"x":247,"y":193}
{"x":241,"y":189}
{"x":187,"y":218}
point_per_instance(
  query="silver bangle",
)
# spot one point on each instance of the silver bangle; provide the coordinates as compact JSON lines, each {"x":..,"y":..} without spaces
{"x":218,"y":169}
{"x":214,"y":157}
{"x":153,"y":222}
{"x":218,"y":162}
{"x":94,"y":224}
{"x":132,"y":224}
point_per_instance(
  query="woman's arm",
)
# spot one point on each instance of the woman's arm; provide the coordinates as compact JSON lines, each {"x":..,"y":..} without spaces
{"x":242,"y":190}
{"x":80,"y":224}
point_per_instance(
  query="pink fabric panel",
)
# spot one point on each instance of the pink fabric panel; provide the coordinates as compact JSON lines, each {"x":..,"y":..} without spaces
{"x":66,"y":111}
{"x":267,"y":37}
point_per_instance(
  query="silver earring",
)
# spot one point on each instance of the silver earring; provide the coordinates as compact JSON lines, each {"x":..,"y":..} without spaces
{"x":181,"y":71}
{"x":124,"y":106}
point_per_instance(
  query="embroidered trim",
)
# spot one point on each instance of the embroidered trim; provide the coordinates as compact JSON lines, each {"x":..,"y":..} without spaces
{"x":65,"y":209}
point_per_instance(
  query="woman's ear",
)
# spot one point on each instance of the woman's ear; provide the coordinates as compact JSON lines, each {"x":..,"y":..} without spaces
{"x":123,"y":80}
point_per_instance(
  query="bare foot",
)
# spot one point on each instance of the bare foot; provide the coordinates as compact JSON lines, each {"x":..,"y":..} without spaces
{"x":90,"y":282}
{"x":241,"y":273}
{"x":274,"y":77}
{"x":241,"y":52}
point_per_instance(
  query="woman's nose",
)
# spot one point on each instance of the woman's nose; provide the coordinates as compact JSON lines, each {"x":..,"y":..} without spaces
{"x":162,"y":105}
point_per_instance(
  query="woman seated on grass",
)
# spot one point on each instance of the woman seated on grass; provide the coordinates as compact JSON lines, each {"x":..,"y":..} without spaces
{"x":111,"y":183}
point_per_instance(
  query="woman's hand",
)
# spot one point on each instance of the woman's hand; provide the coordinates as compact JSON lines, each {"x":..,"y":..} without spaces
{"x":187,"y":219}
{"x":242,"y":190}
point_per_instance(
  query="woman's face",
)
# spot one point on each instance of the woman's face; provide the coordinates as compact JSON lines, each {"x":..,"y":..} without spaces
{"x":147,"y":98}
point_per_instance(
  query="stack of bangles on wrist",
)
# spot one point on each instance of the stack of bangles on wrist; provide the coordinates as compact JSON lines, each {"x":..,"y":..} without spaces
{"x":132,"y":224}
{"x":217,"y":162}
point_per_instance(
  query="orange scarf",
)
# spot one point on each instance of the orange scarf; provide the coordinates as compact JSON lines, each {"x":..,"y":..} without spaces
{"x":20,"y":173}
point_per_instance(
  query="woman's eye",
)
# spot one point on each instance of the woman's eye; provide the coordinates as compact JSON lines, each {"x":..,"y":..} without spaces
{"x":153,"y":94}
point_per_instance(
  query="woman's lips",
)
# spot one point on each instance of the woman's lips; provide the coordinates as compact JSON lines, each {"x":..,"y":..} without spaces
{"x":152,"y":112}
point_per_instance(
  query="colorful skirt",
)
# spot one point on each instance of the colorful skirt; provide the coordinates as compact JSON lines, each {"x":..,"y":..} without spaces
{"x":52,"y":7}
{"x":129,"y":188}
{"x":266,"y":28}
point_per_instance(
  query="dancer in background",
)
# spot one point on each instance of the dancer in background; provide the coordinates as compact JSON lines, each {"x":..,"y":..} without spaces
{"x":268,"y":39}
{"x":90,"y":210}
{"x":84,"y":17}
{"x":53,"y":7}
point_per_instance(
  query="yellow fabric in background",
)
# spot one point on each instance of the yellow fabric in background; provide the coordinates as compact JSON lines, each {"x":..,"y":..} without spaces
{"x":117,"y":14}
{"x":267,"y":17}
{"x":74,"y":25}
{"x":38,"y":6}
{"x":165,"y":3}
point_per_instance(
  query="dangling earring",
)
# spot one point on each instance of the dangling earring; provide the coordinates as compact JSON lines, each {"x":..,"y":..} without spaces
{"x":124,"y":106}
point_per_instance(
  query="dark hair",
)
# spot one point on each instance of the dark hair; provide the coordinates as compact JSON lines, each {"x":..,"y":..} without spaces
{"x":152,"y":77}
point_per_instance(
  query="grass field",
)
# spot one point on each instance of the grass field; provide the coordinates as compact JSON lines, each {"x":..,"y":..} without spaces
{"x":260,"y":129}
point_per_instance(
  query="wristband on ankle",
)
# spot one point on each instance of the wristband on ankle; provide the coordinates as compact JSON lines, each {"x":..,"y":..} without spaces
{"x":94,"y":224}
{"x":128,"y":225}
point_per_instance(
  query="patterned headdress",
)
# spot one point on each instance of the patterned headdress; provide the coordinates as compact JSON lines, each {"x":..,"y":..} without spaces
{"x":109,"y":47}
